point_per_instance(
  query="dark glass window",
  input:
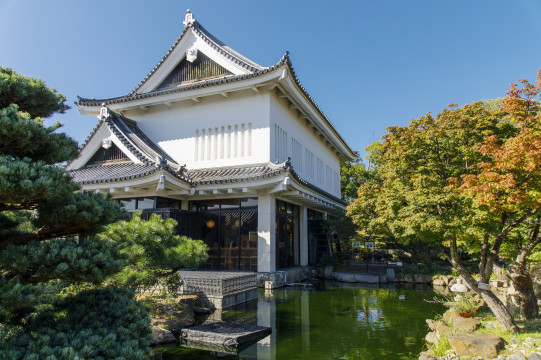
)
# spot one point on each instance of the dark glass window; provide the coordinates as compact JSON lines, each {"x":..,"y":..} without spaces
{"x":205,"y":205}
{"x":162,"y":202}
{"x":314,"y":215}
{"x":230,"y":228}
{"x":287,"y":235}
{"x":145,"y":203}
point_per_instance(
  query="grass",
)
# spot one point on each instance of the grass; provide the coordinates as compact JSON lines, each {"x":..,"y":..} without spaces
{"x":490,"y":325}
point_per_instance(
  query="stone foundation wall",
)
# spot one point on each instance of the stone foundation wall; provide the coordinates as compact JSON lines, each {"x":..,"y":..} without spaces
{"x":281,"y":277}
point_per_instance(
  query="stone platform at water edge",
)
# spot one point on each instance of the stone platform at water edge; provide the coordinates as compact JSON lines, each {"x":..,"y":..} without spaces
{"x":220,"y":289}
{"x":223,"y":336}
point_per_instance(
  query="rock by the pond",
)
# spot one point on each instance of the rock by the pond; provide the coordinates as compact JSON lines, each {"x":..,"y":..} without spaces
{"x":534,"y":356}
{"x":465,"y":325}
{"x":459,"y":288}
{"x":439,"y":327}
{"x":161,"y":336}
{"x":485,"y":345}
{"x":408,"y":278}
{"x":431,"y":337}
{"x":438,"y":282}
{"x":516,"y":357}
{"x":422,"y":279}
{"x":200,"y":310}
{"x":425,"y":356}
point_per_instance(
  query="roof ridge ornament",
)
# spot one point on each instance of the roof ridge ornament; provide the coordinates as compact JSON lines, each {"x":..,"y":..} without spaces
{"x":104,"y":112}
{"x":189,"y":19}
{"x":191,"y":54}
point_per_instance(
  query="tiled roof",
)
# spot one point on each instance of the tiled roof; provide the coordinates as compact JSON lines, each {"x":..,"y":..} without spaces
{"x":210,"y":39}
{"x":284,"y":61}
{"x":108,"y":173}
{"x":235,"y":175}
{"x":135,"y":140}
{"x":111,"y":172}
{"x":252,"y":173}
{"x":313,"y":187}
{"x":152,"y":156}
{"x":255,"y":69}
{"x":186,"y":87}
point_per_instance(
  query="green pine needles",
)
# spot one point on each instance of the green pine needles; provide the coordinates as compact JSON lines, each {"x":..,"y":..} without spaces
{"x":53,"y":300}
{"x":154,"y":252}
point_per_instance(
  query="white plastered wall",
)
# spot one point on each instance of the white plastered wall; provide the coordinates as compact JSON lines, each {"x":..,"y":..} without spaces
{"x":288,"y":134}
{"x":217,"y":131}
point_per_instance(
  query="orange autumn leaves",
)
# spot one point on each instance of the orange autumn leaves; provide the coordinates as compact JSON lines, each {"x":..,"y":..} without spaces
{"x":510,"y":179}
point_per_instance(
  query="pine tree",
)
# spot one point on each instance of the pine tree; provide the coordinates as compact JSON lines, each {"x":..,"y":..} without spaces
{"x":155,"y":253}
{"x":52,"y":304}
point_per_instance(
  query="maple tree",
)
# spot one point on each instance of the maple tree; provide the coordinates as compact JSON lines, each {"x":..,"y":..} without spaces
{"x":509,"y":184}
{"x":427,"y":189}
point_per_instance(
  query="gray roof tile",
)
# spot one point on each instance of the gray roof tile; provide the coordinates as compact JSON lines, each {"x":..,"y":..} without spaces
{"x":111,"y":172}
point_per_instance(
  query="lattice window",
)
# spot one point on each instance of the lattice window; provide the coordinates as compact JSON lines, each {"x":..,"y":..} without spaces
{"x":103,"y":155}
{"x":202,"y":68}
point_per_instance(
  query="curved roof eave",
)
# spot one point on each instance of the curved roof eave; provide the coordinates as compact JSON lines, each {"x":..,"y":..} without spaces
{"x":284,"y":61}
{"x":85,"y":102}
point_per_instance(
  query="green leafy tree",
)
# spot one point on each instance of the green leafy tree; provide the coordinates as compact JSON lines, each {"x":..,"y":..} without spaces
{"x":422,"y":169}
{"x":155,"y":253}
{"x":47,"y":251}
{"x":352,"y":175}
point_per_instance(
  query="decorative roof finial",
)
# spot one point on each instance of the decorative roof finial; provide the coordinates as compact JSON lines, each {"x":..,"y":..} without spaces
{"x":104,"y":112}
{"x":189,"y":20}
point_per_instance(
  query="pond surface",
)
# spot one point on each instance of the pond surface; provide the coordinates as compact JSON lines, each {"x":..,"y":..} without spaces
{"x":332,"y":321}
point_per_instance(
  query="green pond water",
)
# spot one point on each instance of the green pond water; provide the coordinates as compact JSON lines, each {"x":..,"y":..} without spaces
{"x":331,"y":321}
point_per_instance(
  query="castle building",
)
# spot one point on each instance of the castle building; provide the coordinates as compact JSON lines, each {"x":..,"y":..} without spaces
{"x":239,"y":154}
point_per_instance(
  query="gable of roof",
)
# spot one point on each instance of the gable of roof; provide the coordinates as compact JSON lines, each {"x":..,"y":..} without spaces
{"x":200,"y":68}
{"x":216,"y":49}
{"x":124,"y":134}
{"x":127,"y":131}
{"x":157,"y":87}
{"x":109,"y":154}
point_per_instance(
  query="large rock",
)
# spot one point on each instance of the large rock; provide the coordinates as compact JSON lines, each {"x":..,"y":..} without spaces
{"x":161,"y":336}
{"x":407,"y":278}
{"x":464,"y":325}
{"x":425,"y":356}
{"x":431,"y":337}
{"x":176,"y":318}
{"x":422,"y":279}
{"x":516,"y":357}
{"x":438,"y":282}
{"x":439,"y":327}
{"x":484,"y":345}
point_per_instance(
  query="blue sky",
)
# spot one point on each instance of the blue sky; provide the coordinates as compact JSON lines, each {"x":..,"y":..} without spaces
{"x":368,"y":64}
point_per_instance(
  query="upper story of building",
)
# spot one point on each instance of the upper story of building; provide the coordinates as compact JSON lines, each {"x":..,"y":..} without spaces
{"x":206,"y":106}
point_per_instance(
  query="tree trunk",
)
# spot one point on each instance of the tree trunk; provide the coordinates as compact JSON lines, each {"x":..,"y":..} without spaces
{"x":499,"y":310}
{"x":493,"y":302}
{"x":425,"y":249}
{"x":521,"y":300}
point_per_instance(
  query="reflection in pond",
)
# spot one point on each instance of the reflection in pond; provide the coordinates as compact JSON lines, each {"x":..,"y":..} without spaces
{"x":333,"y":321}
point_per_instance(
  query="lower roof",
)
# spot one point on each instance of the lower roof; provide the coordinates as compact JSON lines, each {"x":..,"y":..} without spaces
{"x":111,"y":173}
